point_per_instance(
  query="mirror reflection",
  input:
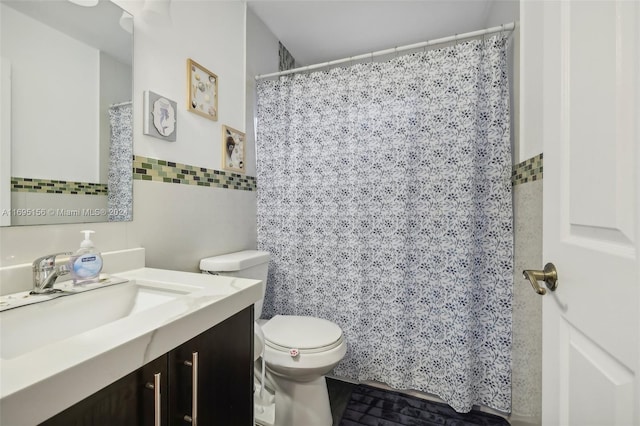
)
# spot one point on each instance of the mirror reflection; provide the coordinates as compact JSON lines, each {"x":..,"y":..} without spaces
{"x":65,"y":118}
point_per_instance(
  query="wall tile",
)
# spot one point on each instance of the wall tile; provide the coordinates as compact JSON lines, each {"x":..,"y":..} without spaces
{"x":527,"y":171}
{"x":527,"y":305}
{"x":151,"y":169}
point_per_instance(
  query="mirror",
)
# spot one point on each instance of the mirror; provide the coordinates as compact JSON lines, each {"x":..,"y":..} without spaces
{"x":65,"y":117}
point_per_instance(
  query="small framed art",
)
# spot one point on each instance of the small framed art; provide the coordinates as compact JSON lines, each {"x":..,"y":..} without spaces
{"x":233,"y":148}
{"x":160,"y":117}
{"x":203,"y":90}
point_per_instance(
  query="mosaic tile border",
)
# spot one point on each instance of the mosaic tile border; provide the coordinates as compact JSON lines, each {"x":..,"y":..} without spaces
{"x":528,"y":171}
{"x":47,"y":186}
{"x":151,"y":169}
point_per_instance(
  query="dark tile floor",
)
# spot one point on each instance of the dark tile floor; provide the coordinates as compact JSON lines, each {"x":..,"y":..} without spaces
{"x":339,"y":394}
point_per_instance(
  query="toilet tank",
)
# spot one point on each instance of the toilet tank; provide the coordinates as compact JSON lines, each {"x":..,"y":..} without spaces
{"x":252,"y":264}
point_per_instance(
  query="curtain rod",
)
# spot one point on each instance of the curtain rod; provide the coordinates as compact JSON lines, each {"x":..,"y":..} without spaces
{"x":504,"y":27}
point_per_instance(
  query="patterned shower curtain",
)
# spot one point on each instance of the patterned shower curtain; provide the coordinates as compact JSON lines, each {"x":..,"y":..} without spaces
{"x":120,"y":180}
{"x":384,"y":197}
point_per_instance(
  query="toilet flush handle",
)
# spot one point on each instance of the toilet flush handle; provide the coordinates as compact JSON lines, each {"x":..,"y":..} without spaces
{"x":294,"y":352}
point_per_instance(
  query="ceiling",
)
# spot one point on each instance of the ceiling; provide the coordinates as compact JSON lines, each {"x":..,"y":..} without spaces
{"x":318,"y":31}
{"x":314,"y":31}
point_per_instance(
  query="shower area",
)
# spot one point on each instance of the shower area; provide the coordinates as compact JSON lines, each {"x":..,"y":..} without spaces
{"x":392,"y":200}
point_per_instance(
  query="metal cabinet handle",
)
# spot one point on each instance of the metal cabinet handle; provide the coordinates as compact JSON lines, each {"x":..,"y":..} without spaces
{"x":193,"y":418}
{"x":549,"y":275}
{"x":157,"y":407}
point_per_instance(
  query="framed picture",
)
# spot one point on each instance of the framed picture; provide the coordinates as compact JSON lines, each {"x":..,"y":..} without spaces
{"x":203,"y":90}
{"x":160,"y":117}
{"x":233,"y":147}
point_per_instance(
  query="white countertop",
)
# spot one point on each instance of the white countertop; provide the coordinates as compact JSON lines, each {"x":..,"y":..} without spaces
{"x":38,"y":384}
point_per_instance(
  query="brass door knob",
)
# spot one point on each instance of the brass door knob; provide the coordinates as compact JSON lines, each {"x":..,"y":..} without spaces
{"x":549,"y":275}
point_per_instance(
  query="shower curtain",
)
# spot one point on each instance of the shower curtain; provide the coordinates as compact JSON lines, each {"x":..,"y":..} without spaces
{"x":384,"y":197}
{"x":120,"y":179}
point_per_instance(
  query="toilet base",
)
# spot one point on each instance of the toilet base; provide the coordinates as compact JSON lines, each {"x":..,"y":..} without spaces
{"x":264,"y":408}
{"x":302,"y":403}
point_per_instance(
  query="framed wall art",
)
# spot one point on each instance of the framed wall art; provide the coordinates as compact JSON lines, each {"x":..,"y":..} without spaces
{"x":203,"y":90}
{"x":233,"y":148}
{"x":160,"y":117}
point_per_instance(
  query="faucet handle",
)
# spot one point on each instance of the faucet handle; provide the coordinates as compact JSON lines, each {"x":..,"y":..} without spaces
{"x":49,"y":260}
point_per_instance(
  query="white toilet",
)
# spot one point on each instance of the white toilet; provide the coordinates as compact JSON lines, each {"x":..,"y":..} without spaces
{"x":298,"y":351}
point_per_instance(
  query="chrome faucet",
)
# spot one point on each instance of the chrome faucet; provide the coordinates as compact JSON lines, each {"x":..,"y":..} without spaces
{"x":45,"y":272}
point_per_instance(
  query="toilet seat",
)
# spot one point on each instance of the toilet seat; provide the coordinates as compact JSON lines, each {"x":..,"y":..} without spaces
{"x":305,"y":334}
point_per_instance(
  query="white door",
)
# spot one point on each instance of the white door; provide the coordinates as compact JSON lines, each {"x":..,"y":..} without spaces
{"x":591,"y":323}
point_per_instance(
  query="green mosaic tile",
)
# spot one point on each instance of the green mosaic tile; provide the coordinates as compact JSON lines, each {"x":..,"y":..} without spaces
{"x":45,"y":186}
{"x":527,"y":171}
{"x":186,"y":174}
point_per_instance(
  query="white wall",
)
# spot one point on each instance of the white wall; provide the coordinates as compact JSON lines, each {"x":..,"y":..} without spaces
{"x":210,"y":33}
{"x":45,"y":63}
{"x":504,"y":12}
{"x":527,"y":209}
{"x":531,"y":34}
{"x":177,"y":224}
{"x":262,"y":58}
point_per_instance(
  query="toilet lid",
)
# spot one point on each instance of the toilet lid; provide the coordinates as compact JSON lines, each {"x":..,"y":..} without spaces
{"x":304,"y":333}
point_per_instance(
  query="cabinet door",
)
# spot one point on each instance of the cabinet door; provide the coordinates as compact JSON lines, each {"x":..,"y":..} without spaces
{"x":224,"y":383}
{"x":129,"y":401}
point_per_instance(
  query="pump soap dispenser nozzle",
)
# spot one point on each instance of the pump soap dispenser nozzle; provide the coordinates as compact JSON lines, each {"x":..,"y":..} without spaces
{"x":87,"y":243}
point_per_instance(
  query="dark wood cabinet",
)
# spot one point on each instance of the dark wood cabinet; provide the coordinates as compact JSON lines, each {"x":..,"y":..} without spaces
{"x":215,"y":367}
{"x":129,"y":401}
{"x":225,"y":383}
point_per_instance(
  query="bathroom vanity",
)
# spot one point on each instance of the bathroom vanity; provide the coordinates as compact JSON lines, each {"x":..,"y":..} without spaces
{"x":165,"y":389}
{"x":165,"y":346}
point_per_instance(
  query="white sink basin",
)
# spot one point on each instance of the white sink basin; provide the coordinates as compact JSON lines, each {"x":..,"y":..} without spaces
{"x":29,"y":327}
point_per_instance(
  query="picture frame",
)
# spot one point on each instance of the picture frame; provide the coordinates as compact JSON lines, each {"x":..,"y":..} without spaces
{"x":160,"y":117}
{"x":203,"y":91}
{"x":233,"y":149}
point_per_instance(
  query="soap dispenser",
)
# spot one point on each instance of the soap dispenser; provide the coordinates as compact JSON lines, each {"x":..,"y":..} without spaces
{"x":86,"y":263}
